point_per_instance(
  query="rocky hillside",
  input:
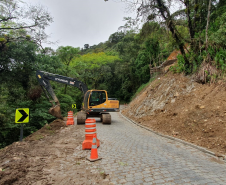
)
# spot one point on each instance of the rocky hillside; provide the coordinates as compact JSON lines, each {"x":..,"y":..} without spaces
{"x":175,"y":105}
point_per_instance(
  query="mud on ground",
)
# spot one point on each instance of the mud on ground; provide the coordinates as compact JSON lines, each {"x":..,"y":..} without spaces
{"x":177,"y":106}
{"x":52,"y":155}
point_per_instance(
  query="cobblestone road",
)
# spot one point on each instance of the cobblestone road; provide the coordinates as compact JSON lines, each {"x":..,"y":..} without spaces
{"x":133,"y":155}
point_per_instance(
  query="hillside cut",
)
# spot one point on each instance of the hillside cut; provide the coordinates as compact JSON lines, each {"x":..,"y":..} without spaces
{"x":177,"y":106}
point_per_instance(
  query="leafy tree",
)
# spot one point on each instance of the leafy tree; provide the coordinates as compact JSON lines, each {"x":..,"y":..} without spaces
{"x":219,"y":34}
{"x":19,"y":21}
{"x":17,"y":63}
{"x":115,"y":38}
{"x":86,"y":46}
{"x":92,"y":67}
{"x":129,"y":26}
{"x":17,"y":90}
{"x":21,"y":33}
{"x":66,"y":54}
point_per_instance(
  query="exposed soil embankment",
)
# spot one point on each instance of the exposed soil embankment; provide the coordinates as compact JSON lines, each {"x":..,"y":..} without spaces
{"x":52,"y":155}
{"x":177,"y":106}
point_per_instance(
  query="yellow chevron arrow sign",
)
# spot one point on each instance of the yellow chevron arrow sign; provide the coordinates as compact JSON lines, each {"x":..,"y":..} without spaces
{"x":22,"y":115}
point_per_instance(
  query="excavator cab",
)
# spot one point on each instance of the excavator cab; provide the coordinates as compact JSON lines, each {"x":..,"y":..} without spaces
{"x":97,"y":98}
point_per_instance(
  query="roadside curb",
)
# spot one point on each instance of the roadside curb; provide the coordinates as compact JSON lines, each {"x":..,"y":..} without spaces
{"x":222,"y":157}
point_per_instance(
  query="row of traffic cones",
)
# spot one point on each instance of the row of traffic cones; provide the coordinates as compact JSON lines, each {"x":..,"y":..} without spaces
{"x":91,"y":141}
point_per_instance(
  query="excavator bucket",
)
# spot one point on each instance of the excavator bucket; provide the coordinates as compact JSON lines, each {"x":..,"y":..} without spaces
{"x":55,"y":111}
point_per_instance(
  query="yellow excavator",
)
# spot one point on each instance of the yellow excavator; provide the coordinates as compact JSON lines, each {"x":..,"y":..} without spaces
{"x":96,"y":103}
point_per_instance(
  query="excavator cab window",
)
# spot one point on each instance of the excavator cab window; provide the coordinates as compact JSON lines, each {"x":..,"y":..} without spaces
{"x":97,"y":98}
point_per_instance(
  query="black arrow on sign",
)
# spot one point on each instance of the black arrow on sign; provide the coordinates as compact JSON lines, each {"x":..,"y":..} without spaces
{"x":25,"y":115}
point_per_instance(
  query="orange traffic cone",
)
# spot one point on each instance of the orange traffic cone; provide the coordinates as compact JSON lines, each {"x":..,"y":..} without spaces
{"x":94,"y":155}
{"x":70,"y":119}
{"x":90,"y":130}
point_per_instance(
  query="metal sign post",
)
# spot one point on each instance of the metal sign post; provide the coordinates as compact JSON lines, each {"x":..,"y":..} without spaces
{"x":21,"y":131}
{"x":22,"y":116}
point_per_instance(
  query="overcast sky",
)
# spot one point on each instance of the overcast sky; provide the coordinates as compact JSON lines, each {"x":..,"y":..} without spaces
{"x":79,"y":22}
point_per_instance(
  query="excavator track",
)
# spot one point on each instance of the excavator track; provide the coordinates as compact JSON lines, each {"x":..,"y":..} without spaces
{"x":81,"y":118}
{"x":106,"y":119}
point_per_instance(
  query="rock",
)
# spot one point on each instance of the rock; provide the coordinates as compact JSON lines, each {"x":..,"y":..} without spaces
{"x":175,"y":133}
{"x":173,"y":101}
{"x":176,"y":94}
{"x":202,"y":107}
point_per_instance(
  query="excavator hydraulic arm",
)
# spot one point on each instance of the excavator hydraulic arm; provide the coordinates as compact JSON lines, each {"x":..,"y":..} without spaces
{"x":44,"y":78}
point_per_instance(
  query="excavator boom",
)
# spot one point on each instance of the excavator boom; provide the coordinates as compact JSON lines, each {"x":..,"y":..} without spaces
{"x":44,"y":78}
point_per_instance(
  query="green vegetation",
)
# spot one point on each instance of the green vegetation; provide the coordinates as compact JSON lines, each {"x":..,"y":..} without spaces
{"x":123,"y":164}
{"x":38,"y":137}
{"x":143,"y":86}
{"x":120,"y":65}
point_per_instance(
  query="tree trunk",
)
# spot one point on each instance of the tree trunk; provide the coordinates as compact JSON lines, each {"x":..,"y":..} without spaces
{"x":165,"y":12}
{"x":191,"y":31}
{"x":207,"y":24}
{"x":195,"y":15}
{"x":65,"y":89}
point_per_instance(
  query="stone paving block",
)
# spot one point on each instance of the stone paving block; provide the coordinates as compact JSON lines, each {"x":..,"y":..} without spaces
{"x":120,"y":177}
{"x":147,"y":175}
{"x":159,"y":181}
{"x":129,"y":175}
{"x":168,"y":179}
{"x":211,"y":183}
{"x":167,"y":175}
{"x":129,"y":183}
{"x":130,"y":179}
{"x":169,"y":183}
{"x":147,"y":183}
{"x":149,"y":179}
{"x":122,"y":181}
{"x":138,"y":177}
{"x":156,"y":177}
{"x":138,"y":181}
{"x":113,"y":183}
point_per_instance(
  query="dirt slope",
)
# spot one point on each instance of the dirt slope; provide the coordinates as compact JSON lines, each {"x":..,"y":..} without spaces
{"x":177,"y":106}
{"x":51,"y":155}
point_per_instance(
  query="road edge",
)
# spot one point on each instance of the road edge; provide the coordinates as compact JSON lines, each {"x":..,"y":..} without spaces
{"x":221,"y":157}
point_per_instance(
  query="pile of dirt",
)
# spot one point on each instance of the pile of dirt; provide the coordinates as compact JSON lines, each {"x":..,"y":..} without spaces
{"x":15,"y":163}
{"x":46,"y":157}
{"x":48,"y":129}
{"x":175,"y":105}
